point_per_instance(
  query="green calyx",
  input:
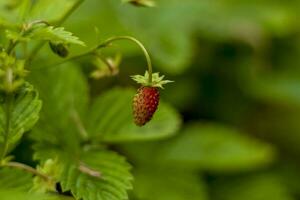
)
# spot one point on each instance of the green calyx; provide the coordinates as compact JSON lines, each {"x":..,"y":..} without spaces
{"x":157,"y":81}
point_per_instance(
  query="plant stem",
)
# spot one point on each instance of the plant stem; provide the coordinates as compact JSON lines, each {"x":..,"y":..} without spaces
{"x":105,"y":44}
{"x":112,"y":39}
{"x":11,"y":46}
{"x":26,"y":168}
{"x":67,"y":14}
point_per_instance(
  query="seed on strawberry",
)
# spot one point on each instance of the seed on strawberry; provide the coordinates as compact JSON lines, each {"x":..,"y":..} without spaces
{"x":145,"y":103}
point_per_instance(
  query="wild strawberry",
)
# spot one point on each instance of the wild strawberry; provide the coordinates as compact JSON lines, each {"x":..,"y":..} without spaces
{"x":146,"y":100}
{"x":145,"y":103}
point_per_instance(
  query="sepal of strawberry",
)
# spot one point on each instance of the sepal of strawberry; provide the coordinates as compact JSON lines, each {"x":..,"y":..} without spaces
{"x":157,"y":81}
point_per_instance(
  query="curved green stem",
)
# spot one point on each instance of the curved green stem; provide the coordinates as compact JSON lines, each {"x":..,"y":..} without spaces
{"x":105,"y":44}
{"x":112,"y":39}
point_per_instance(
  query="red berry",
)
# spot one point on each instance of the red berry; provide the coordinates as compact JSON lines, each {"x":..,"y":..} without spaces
{"x":145,"y":103}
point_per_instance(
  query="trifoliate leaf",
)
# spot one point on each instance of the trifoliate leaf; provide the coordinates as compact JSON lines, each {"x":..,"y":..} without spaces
{"x":55,"y":35}
{"x":18,"y":113}
{"x":110,"y":119}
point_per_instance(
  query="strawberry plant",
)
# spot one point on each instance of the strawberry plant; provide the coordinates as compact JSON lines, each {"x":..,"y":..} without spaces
{"x":86,"y":112}
{"x":71,"y":136}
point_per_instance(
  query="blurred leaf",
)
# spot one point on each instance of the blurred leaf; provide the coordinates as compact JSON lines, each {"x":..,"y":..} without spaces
{"x":64,"y":92}
{"x":110,"y":119}
{"x":216,"y":148}
{"x":18,"y":114}
{"x":168,"y":184}
{"x":15,"y":179}
{"x":49,"y":10}
{"x":273,"y":88}
{"x":252,"y":187}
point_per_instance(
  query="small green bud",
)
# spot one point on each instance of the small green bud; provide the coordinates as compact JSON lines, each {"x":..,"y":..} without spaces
{"x":59,"y":49}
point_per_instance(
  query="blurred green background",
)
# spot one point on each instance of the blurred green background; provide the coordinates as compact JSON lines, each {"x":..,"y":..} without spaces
{"x":237,"y":87}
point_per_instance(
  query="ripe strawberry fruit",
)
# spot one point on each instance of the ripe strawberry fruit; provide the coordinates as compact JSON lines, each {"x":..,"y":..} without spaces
{"x":145,"y":103}
{"x":146,"y":100}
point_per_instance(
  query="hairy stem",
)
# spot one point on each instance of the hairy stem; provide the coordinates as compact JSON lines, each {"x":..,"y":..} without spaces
{"x":26,"y":168}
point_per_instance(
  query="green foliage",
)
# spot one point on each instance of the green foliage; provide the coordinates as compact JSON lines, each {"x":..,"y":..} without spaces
{"x":18,"y":113}
{"x":168,"y":184}
{"x":111,"y":181}
{"x":110,"y":119}
{"x":253,"y":187}
{"x":217,"y":148}
{"x":235,"y":66}
{"x":55,"y":35}
{"x":15,"y":179}
{"x":65,"y":100}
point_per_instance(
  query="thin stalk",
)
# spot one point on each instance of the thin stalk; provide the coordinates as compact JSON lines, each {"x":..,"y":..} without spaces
{"x":106,"y":43}
{"x":26,"y":168}
{"x":69,"y":12}
{"x":11,"y":46}
{"x":147,"y":56}
{"x":110,"y":67}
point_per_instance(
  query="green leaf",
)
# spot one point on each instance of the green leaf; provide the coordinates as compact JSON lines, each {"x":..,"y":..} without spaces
{"x":50,"y":10}
{"x":15,"y":179}
{"x":251,"y":187}
{"x":168,"y":184}
{"x":18,"y":113}
{"x":102,"y":175}
{"x":217,"y":148}
{"x":12,"y":194}
{"x":15,"y":36}
{"x":110,"y":119}
{"x":64,"y":92}
{"x":55,"y":35}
